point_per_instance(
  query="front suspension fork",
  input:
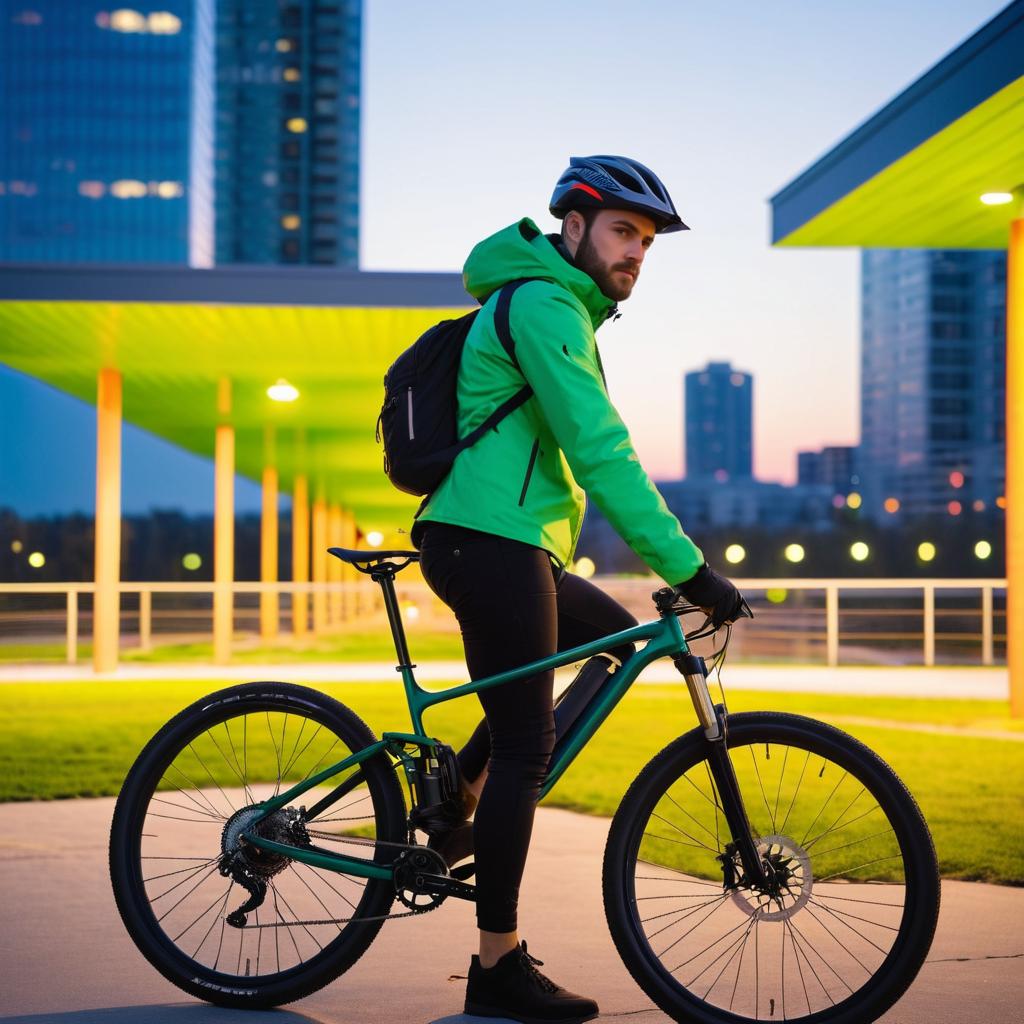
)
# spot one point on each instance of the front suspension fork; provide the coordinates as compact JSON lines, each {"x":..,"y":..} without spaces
{"x":714,"y":721}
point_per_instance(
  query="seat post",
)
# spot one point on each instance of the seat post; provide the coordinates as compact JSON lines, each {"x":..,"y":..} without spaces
{"x":385,"y":576}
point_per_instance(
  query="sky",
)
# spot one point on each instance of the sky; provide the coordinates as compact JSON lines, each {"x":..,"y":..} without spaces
{"x":470,"y":113}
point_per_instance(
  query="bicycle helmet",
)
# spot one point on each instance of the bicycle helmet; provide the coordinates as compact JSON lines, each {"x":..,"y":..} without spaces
{"x":615,"y":183}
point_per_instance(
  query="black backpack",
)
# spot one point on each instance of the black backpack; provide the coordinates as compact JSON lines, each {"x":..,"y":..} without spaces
{"x":419,"y":419}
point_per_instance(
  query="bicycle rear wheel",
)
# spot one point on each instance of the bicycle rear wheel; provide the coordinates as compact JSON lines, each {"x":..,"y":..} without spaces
{"x":186,"y":800}
{"x":848,"y":917}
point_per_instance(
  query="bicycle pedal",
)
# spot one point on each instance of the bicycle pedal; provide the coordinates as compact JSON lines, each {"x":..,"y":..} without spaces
{"x":464,"y":871}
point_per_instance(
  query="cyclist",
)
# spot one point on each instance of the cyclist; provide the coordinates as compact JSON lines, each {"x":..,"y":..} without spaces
{"x":494,"y":536}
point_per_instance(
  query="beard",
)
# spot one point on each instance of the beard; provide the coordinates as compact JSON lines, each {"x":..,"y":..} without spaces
{"x":614,"y":285}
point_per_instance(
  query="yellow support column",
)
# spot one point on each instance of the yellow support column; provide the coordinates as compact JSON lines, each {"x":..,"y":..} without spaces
{"x":351,"y":573}
{"x":106,"y":625}
{"x":300,"y":555}
{"x":223,"y":529}
{"x":319,"y":560}
{"x":269,"y":609}
{"x":334,"y":565}
{"x":1014,"y":464}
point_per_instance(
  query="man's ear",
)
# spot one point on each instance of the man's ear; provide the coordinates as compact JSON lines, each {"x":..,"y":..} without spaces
{"x":574,"y":227}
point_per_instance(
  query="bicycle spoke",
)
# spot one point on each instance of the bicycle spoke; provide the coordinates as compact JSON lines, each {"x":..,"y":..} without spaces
{"x":199,"y":791}
{"x":710,"y":946}
{"x":180,"y":871}
{"x":719,"y":903}
{"x":846,"y":824}
{"x":683,"y":832}
{"x":213,"y":924}
{"x":796,"y":792}
{"x":699,"y":824}
{"x":678,"y":842}
{"x":212,"y":779}
{"x":839,"y":942}
{"x":856,"y":842}
{"x":760,"y":783}
{"x":828,"y":800}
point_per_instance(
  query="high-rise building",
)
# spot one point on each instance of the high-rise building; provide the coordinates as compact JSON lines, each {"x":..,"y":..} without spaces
{"x":719,"y":423}
{"x":833,"y":467}
{"x":95,"y":132}
{"x":207,"y":131}
{"x":933,"y":371}
{"x":287,"y":140}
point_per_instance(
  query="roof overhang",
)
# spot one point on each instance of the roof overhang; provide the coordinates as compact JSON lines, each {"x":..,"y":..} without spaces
{"x":175,"y":333}
{"x":912,"y":174}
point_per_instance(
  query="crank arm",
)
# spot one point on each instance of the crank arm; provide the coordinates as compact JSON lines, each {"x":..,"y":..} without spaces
{"x":447,"y":886}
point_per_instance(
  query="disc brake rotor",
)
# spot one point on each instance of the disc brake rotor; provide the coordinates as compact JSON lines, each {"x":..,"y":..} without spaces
{"x":790,"y":881}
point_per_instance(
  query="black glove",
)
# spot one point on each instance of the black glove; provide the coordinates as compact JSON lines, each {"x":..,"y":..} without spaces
{"x":715,"y":595}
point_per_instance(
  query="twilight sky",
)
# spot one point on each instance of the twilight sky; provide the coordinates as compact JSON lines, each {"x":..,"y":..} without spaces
{"x":470,"y":113}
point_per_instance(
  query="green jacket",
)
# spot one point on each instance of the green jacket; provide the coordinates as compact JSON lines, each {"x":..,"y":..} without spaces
{"x":526,"y":479}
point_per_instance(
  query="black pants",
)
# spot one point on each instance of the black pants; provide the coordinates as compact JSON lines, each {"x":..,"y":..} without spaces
{"x":513,"y":606}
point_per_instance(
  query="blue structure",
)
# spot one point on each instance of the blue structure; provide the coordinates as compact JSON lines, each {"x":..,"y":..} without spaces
{"x":288,"y":114}
{"x":718,"y":402}
{"x":95,"y":133}
{"x":933,"y":381}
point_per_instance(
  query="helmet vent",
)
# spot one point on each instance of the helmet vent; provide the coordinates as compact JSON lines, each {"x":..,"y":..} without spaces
{"x":653,"y":184}
{"x":596,"y":178}
{"x":626,"y":180}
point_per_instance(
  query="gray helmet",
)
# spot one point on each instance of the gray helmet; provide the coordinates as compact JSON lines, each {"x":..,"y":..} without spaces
{"x":615,"y":183}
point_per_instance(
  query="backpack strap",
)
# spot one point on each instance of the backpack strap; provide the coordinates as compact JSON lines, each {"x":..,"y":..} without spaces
{"x":504,"y":331}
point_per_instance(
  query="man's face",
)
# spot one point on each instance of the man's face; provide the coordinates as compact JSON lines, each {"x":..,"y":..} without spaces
{"x":613,"y":249}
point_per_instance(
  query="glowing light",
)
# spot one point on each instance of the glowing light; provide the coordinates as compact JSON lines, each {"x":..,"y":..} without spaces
{"x":37,"y":559}
{"x":956,"y":478}
{"x":291,"y":221}
{"x":191,"y":561}
{"x":735,"y":553}
{"x":859,"y":551}
{"x":892,"y":505}
{"x":17,"y":547}
{"x":853,"y":500}
{"x":375,"y":538}
{"x":163,"y":23}
{"x":776,"y":595}
{"x":838,"y":501}
{"x":282,"y":391}
{"x":794,"y":553}
{"x":92,"y":189}
{"x":584,"y":567}
{"x":982,"y":549}
{"x":292,"y":74}
{"x":979,"y":505}
{"x":737,"y":380}
{"x":926,"y":551}
{"x":412,"y":612}
{"x":996,"y":198}
{"x":1001,"y":501}
{"x":128,"y":188}
{"x":721,"y":476}
{"x":283,"y":45}
{"x":954,"y":508}
{"x":296,"y":124}
{"x":170,"y":189}
{"x":127,"y":20}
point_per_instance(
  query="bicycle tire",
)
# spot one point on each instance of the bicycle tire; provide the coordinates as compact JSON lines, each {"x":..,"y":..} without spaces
{"x":127,"y":874}
{"x":634,"y":935}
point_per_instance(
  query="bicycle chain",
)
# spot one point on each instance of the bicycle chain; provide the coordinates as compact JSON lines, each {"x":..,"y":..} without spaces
{"x":358,"y":841}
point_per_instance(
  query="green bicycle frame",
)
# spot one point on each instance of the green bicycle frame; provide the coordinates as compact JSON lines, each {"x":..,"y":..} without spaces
{"x":663,"y":636}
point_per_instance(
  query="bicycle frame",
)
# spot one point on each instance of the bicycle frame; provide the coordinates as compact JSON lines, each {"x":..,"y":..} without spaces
{"x":664,"y":638}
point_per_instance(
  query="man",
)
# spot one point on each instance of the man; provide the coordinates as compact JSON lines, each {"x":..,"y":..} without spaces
{"x":513,"y":504}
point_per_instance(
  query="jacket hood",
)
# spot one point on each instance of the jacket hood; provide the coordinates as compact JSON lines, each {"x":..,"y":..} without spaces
{"x":522,"y":250}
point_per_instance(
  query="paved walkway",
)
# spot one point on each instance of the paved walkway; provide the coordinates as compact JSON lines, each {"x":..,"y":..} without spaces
{"x":948,"y":681}
{"x":66,"y":959}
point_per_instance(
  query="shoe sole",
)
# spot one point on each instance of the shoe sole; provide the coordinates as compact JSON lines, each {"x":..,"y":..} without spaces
{"x":479,"y":1010}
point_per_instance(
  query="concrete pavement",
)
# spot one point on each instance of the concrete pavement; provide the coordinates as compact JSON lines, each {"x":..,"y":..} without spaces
{"x":66,"y":959}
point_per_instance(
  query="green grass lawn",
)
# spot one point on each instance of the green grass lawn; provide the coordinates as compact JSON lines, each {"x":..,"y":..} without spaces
{"x":79,"y":739}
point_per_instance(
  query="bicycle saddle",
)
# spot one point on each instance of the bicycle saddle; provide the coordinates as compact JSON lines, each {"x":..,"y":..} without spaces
{"x":362,"y":560}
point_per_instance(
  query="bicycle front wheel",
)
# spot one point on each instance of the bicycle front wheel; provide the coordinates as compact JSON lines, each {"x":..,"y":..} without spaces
{"x":847,"y":916}
{"x":185,"y":803}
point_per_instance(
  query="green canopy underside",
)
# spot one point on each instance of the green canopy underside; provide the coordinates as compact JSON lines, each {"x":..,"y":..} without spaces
{"x":930,"y":197}
{"x":172,"y":357}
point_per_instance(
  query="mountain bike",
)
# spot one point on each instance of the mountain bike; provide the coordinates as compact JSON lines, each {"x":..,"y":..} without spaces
{"x":763,"y":866}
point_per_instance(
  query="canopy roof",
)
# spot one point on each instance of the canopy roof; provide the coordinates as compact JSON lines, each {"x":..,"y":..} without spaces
{"x":912,"y":174}
{"x":175,"y":334}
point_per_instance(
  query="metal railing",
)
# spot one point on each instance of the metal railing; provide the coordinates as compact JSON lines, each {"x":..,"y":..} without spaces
{"x":899,"y":618}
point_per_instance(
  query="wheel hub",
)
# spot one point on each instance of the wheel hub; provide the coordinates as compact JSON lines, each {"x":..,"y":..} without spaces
{"x":282,"y":826}
{"x":787,"y":868}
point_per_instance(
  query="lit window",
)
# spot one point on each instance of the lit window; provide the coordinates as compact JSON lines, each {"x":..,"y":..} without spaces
{"x":736,"y":380}
{"x":292,"y":74}
{"x":296,"y":124}
{"x":127,"y":20}
{"x":853,"y":500}
{"x":892,"y":505}
{"x":170,"y":189}
{"x":28,"y":18}
{"x":163,"y":23}
{"x":979,"y":505}
{"x":128,"y":188}
{"x":291,"y":222}
{"x":284,"y":45}
{"x":838,"y":501}
{"x":92,"y":189}
{"x":721,"y":476}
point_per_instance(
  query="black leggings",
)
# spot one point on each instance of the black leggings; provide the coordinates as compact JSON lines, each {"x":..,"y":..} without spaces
{"x":513,"y":606}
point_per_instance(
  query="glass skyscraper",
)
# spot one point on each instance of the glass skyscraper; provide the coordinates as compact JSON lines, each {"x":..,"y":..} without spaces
{"x":206,"y":131}
{"x":933,"y":386}
{"x":718,"y":403}
{"x":95,"y":124}
{"x":287,"y":138}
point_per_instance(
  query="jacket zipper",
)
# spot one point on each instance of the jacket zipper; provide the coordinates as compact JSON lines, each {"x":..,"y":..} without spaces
{"x":529,"y":470}
{"x":412,"y":435}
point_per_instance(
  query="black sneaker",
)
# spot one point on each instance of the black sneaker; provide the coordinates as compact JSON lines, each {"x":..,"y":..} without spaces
{"x":514,"y":989}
